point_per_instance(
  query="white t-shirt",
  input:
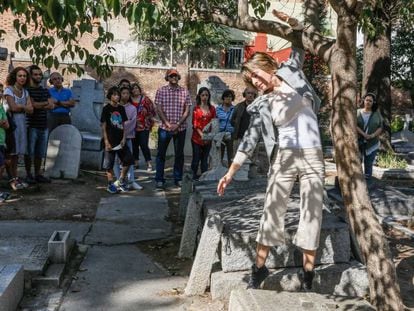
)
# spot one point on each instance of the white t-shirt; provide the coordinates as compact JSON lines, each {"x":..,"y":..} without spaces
{"x":302,"y":130}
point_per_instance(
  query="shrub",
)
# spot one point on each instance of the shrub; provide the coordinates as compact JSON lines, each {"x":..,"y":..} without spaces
{"x":397,"y":124}
{"x":391,"y":160}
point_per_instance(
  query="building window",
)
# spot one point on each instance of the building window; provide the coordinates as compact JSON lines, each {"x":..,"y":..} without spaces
{"x":234,"y":57}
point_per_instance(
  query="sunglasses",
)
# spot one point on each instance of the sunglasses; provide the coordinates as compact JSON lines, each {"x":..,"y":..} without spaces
{"x":173,"y":76}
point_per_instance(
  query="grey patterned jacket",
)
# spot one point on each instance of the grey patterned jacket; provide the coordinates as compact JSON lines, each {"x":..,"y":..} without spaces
{"x":261,"y":123}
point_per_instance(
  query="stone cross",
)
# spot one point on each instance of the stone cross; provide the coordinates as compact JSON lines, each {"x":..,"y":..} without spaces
{"x":408,"y":119}
{"x":212,"y":133}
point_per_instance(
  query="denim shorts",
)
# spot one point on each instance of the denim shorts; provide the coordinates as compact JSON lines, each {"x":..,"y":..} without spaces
{"x":124,"y":154}
{"x":37,"y":139}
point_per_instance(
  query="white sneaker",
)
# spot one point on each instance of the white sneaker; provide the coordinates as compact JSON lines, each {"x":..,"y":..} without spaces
{"x":117,"y":183}
{"x":136,"y":186}
{"x":149,"y":167}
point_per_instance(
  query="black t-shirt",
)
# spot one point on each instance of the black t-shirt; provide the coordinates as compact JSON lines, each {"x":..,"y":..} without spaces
{"x":38,"y":119}
{"x":114,"y":117}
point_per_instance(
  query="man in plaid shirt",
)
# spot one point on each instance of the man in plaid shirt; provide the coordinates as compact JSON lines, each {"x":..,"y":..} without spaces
{"x":172,"y":104}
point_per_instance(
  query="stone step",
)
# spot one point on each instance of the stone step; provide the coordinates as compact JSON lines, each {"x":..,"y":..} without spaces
{"x":241,"y":221}
{"x":264,"y":300}
{"x":53,"y":276}
{"x":11,"y":286}
{"x":347,"y":279}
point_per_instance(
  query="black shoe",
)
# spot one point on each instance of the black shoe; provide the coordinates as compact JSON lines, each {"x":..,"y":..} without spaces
{"x":42,"y":179}
{"x":30,"y":180}
{"x":257,"y":277}
{"x":307,"y":280}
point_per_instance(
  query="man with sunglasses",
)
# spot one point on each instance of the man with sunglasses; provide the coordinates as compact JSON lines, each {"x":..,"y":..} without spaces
{"x":172,"y":104}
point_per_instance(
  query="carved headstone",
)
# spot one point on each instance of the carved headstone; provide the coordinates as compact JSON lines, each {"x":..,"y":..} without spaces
{"x":211,"y":132}
{"x":63,"y":152}
{"x":90,"y":98}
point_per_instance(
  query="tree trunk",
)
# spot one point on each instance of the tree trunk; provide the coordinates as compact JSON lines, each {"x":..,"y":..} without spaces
{"x":377,"y":71}
{"x":384,"y":289}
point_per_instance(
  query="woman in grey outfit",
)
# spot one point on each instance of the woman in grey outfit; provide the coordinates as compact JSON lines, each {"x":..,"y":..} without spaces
{"x":286,"y":110}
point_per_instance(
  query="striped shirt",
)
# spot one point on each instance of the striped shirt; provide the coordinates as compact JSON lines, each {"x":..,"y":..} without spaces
{"x":38,"y":119}
{"x":173,"y":101}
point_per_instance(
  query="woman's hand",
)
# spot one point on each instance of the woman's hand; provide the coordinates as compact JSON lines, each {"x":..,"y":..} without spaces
{"x":223,"y":183}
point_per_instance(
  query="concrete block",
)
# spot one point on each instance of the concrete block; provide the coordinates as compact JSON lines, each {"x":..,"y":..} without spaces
{"x":191,"y":224}
{"x":346,"y":279}
{"x":263,"y":300}
{"x":186,"y":190}
{"x":59,"y":246}
{"x":238,"y":247}
{"x":205,"y":257}
{"x":52,"y":277}
{"x":11,"y":286}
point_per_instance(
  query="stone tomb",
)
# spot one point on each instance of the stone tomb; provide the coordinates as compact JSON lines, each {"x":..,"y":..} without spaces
{"x":11,"y":286}
{"x":240,"y":211}
{"x":86,"y":115}
{"x":260,"y":300}
{"x":241,"y":221}
{"x":63,"y":152}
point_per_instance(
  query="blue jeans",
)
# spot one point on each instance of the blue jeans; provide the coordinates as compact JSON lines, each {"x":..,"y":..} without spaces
{"x":164,"y":138}
{"x":37,"y":142}
{"x":141,"y":141}
{"x":369,"y":163}
{"x":200,"y":155}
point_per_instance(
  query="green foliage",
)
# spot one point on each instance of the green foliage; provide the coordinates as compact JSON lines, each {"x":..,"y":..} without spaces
{"x":397,"y":124}
{"x":374,"y":19}
{"x":148,"y":55}
{"x":402,"y":57}
{"x":391,"y":160}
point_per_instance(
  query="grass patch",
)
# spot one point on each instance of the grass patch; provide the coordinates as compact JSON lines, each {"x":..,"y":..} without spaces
{"x":391,"y":160}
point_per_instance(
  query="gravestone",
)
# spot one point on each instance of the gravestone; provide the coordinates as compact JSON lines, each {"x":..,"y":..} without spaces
{"x":216,"y":87}
{"x":90,"y":98}
{"x":211,"y":133}
{"x":63,"y":152}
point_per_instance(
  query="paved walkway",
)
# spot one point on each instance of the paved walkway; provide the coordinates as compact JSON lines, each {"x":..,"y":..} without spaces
{"x":115,"y":274}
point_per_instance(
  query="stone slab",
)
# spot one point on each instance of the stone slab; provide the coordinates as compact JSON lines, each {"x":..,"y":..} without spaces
{"x":129,"y":220}
{"x":124,"y":279}
{"x":264,"y":300}
{"x":31,"y":253}
{"x":52,"y":276}
{"x":241,"y":220}
{"x":11,"y":286}
{"x":190,"y":229}
{"x":42,"y":229}
{"x":63,"y":152}
{"x":205,"y":257}
{"x":386,"y":201}
{"x":338,"y":279}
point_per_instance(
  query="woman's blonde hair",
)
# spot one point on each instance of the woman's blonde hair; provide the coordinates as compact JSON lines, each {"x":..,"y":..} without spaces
{"x":258,"y":60}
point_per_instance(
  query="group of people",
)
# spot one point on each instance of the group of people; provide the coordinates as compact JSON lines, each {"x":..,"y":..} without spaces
{"x":28,"y":112}
{"x":126,"y":123}
{"x":129,"y":117}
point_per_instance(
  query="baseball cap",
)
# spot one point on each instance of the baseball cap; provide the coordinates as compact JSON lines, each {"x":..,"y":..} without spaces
{"x":172,"y":72}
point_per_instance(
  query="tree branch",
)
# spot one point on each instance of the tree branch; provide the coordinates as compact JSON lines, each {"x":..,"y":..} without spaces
{"x":243,"y":9}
